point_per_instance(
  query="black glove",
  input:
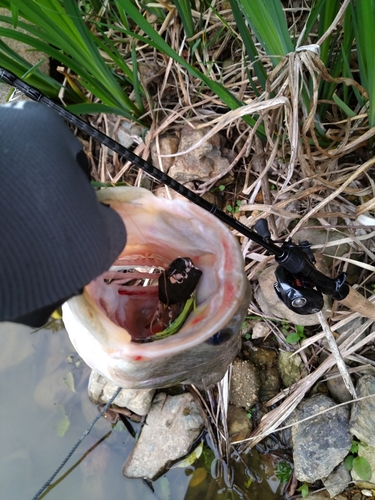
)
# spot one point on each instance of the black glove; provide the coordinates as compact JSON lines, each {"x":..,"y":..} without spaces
{"x":55,"y":237}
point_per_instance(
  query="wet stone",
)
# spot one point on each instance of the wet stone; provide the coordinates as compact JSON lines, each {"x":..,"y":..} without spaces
{"x":321,"y":443}
{"x":362,"y":420}
{"x":239,"y":423}
{"x":244,"y":384}
{"x":101,"y":390}
{"x":172,"y":426}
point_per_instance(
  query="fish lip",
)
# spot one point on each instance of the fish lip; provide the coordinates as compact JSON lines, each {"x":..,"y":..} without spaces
{"x":230,"y":275}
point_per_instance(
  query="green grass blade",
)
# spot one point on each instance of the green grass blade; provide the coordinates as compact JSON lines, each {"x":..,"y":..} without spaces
{"x":363,"y":13}
{"x":267,"y":20}
{"x":184,"y":10}
{"x":135,"y":78}
{"x":59,"y":31}
{"x":343,"y":106}
{"x":327,"y":15}
{"x":251,"y":50}
{"x":12,"y":61}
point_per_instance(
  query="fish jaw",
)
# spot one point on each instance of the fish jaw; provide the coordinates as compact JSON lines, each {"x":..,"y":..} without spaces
{"x":101,"y":322}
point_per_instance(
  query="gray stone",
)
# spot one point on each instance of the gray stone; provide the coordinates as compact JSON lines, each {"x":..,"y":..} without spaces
{"x":136,"y":400}
{"x":244,"y":386}
{"x":290,"y":366}
{"x":367,"y":452}
{"x":172,"y":426}
{"x":362,"y":420}
{"x":321,"y":443}
{"x":337,"y":481}
{"x":338,"y":390}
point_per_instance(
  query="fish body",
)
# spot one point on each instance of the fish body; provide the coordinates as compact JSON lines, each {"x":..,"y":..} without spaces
{"x":111,"y":312}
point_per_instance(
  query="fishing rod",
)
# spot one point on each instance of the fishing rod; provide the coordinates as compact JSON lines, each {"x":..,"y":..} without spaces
{"x":298,"y":283}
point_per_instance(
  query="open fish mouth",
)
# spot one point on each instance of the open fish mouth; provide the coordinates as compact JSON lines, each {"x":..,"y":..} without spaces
{"x":114,"y":311}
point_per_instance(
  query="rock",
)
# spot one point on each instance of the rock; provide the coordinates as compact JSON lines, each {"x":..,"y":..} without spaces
{"x":239,"y":424}
{"x":321,"y":443}
{"x":127,"y":132}
{"x":367,"y":452}
{"x":265,"y":360}
{"x":244,"y":384}
{"x":337,"y":481}
{"x":338,"y":390}
{"x":202,"y":163}
{"x":172,"y":426}
{"x":260,"y":330}
{"x":272,"y":306}
{"x":362,"y":420}
{"x":136,"y":400}
{"x":168,"y":145}
{"x":290,"y":366}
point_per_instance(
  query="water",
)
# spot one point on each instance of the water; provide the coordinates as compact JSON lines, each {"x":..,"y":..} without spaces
{"x":38,"y":405}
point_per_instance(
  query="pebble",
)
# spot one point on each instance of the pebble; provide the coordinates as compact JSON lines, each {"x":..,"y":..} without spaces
{"x":244,"y":384}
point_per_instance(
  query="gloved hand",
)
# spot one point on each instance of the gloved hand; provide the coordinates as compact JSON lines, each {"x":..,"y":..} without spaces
{"x":55,"y":237}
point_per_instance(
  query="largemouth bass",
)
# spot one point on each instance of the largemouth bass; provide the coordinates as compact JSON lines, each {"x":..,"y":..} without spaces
{"x":106,"y":322}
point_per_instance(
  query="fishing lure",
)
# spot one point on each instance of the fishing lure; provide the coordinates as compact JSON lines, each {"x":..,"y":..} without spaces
{"x":177,"y":296}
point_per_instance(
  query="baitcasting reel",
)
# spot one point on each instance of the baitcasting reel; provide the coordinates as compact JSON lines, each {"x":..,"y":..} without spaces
{"x":298,"y":283}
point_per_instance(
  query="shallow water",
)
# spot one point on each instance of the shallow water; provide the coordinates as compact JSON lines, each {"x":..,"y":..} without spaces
{"x":37,"y":404}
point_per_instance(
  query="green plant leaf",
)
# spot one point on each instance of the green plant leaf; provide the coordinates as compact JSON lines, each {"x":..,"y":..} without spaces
{"x":362,"y":468}
{"x":165,"y":489}
{"x":354,"y":446}
{"x":292,"y":338}
{"x":63,"y":426}
{"x":283,"y":471}
{"x":341,"y":104}
{"x":348,"y":462}
{"x":304,"y":490}
{"x":69,"y":381}
{"x":267,"y":20}
{"x":190,"y":459}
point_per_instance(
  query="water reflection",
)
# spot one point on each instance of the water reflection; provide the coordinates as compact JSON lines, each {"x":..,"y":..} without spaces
{"x":45,"y":409}
{"x":35,"y":402}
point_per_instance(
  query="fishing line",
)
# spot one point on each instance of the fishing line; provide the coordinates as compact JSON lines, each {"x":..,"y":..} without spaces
{"x":87,"y":431}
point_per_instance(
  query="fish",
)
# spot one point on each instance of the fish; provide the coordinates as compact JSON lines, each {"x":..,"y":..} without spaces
{"x":114,"y":310}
